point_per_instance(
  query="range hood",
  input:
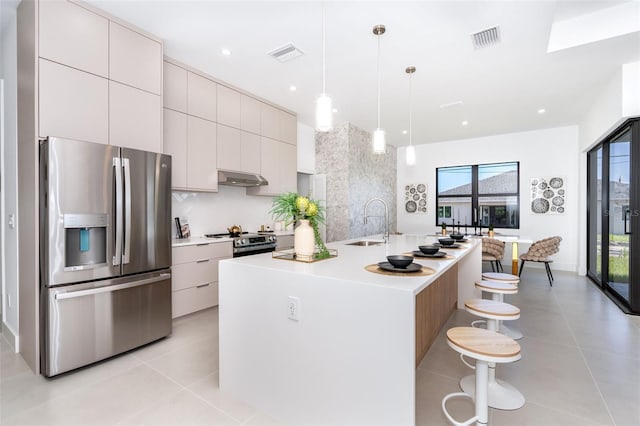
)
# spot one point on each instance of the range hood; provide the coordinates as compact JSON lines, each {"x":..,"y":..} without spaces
{"x":240,"y":179}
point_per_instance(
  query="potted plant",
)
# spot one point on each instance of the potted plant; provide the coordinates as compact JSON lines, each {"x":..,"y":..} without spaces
{"x":491,"y":233}
{"x":307,"y":215}
{"x":444,"y":228}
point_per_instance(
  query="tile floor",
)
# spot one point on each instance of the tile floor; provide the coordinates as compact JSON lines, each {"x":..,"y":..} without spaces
{"x":580,"y":366}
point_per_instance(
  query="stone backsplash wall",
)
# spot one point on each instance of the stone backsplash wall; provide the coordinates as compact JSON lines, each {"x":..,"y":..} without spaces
{"x":354,"y":175}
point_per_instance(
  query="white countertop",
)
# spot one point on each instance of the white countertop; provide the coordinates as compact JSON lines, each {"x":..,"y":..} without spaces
{"x":351,"y":261}
{"x":193,"y":241}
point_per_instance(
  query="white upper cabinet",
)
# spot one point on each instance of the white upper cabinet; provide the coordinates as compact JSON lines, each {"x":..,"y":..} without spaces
{"x":270,"y":121}
{"x":202,"y":173}
{"x":201,"y":97}
{"x":135,"y":118}
{"x":134,"y":59}
{"x":74,"y":36}
{"x":250,"y":151}
{"x":306,"y":149}
{"x":175,"y":145}
{"x":72,"y":104}
{"x":288,"y":128}
{"x":250,"y":114}
{"x":229,"y":150}
{"x":228,"y":107}
{"x":175,"y":87}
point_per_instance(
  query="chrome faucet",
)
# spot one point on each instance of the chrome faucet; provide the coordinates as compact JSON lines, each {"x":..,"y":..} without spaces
{"x":386,"y":216}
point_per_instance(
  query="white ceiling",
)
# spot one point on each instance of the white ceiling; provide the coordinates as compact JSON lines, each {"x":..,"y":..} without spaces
{"x":501,"y":87}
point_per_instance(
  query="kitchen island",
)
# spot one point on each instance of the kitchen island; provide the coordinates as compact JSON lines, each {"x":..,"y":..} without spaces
{"x":350,"y":352}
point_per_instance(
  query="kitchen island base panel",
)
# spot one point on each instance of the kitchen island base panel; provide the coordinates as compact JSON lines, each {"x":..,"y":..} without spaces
{"x":327,"y":368}
{"x":434,"y":306}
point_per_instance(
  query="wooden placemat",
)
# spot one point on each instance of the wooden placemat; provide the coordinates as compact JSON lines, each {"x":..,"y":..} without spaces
{"x":447,"y":257}
{"x":422,"y":273}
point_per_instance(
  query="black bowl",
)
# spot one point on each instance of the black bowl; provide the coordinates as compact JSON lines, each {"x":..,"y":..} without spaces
{"x":429,"y":249}
{"x":446,"y":241}
{"x":457,"y":237}
{"x":400,"y":261}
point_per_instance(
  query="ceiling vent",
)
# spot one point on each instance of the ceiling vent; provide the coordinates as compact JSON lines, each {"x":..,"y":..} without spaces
{"x":486,"y":38}
{"x":286,"y":53}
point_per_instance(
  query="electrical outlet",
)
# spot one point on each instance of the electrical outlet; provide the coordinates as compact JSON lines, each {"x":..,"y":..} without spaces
{"x":293,"y":308}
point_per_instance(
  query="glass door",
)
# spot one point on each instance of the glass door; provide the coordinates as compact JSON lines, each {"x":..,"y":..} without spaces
{"x":613,"y":191}
{"x":619,"y":215}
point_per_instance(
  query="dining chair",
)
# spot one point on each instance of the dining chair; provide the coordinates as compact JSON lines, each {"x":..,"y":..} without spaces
{"x":493,"y":252}
{"x":541,"y":251}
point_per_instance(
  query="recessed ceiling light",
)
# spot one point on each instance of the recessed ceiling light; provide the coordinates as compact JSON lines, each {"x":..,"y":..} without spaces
{"x":542,"y":111}
{"x":404,"y":132}
{"x":293,"y":88}
{"x":465,"y":123}
{"x":226,"y":52}
{"x":335,"y":110}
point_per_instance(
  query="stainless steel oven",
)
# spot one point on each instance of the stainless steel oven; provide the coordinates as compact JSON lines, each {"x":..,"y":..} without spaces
{"x":249,"y":244}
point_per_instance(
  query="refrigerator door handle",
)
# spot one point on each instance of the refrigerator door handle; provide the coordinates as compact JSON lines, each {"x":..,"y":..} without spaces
{"x":127,"y":210}
{"x":106,"y":289}
{"x":117,"y":170}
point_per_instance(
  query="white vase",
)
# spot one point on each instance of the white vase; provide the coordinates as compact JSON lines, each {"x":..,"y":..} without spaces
{"x":304,"y":242}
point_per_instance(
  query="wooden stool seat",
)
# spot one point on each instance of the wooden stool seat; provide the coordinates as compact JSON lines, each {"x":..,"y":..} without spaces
{"x":499,"y":287}
{"x":483,"y":344}
{"x":501,"y":276}
{"x":492,"y":309}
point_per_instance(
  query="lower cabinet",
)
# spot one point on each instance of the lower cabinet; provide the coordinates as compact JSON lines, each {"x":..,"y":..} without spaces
{"x":195,"y":276}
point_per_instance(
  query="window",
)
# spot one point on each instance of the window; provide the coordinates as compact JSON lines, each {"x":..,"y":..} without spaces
{"x":484,"y":194}
{"x":444,"y":212}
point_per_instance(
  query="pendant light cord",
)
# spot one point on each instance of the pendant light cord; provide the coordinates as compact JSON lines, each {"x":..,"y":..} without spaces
{"x":324,"y":48}
{"x":410,"y":107}
{"x":378,"y":81}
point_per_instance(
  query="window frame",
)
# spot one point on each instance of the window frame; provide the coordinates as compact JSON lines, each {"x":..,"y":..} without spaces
{"x":475,"y":196}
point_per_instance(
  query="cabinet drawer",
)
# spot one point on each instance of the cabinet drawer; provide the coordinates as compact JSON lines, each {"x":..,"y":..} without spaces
{"x":201,"y":252}
{"x":194,"y":299}
{"x":186,"y":275}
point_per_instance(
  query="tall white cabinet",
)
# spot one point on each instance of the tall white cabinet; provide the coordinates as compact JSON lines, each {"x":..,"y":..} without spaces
{"x":82,"y":74}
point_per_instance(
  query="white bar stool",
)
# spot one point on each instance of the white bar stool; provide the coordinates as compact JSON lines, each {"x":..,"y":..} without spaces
{"x":498,"y":289}
{"x":486,"y":347}
{"x":502,"y":395}
{"x":501,"y":276}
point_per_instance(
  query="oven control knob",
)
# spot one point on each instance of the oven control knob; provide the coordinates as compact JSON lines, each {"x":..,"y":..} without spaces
{"x":242,"y":242}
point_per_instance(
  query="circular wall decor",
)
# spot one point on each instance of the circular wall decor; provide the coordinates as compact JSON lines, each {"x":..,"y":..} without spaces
{"x":560,"y":191}
{"x":422,"y":203}
{"x":557,"y":201}
{"x":556,"y":182}
{"x":421,"y":187}
{"x":416,"y":197}
{"x":542,"y":185}
{"x":548,"y":193}
{"x":540,"y":205}
{"x":560,"y":209}
{"x":410,"y":206}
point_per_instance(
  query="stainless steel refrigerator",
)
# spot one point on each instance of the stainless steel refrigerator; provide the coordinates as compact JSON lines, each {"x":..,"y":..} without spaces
{"x":105,"y":251}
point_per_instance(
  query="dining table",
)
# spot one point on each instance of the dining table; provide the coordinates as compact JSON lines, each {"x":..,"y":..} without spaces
{"x":514,"y":240}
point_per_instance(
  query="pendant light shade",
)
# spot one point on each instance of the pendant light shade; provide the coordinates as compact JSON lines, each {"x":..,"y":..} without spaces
{"x":379,"y":142}
{"x":411,"y":150}
{"x":324,"y":113}
{"x":411,"y":155}
{"x":379,"y":137}
{"x":324,"y":108}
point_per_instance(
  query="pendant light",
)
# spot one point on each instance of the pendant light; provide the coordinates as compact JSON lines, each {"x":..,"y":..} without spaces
{"x":379,"y":142}
{"x":411,"y":150}
{"x":324,"y":110}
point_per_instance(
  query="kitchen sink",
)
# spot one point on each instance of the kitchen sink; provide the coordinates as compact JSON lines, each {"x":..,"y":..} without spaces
{"x":365,"y":243}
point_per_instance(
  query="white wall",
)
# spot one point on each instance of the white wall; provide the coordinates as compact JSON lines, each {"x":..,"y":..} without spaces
{"x":541,"y":153}
{"x":213,"y":213}
{"x":8,"y":72}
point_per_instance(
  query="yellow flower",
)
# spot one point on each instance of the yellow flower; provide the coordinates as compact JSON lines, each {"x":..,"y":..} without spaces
{"x":312,"y":210}
{"x":302,"y":203}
